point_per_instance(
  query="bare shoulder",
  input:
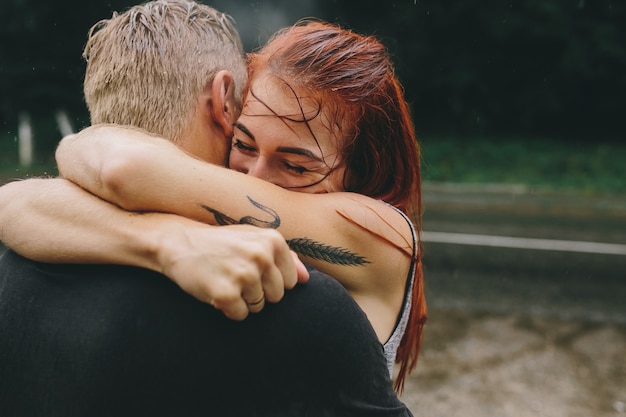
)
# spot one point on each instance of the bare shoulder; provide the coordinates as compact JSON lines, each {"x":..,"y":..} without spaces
{"x":375,"y":218}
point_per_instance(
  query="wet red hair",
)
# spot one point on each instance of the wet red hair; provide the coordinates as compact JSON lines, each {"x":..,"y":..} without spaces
{"x":353,"y":79}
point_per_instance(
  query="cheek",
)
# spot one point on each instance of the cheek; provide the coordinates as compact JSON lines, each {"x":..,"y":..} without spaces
{"x":236,"y":161}
{"x":249,"y":165}
{"x":335,"y":181}
{"x":332,"y":184}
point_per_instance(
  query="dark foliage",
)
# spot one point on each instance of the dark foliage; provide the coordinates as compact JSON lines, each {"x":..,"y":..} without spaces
{"x":553,"y":69}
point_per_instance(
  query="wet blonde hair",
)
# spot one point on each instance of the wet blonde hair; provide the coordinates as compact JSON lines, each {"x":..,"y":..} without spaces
{"x":147,"y":66}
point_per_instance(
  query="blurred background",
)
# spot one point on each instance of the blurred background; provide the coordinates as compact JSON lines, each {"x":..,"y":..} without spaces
{"x":519,"y":107}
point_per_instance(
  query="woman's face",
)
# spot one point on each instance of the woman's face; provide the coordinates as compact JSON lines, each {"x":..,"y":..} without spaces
{"x":283,"y":151}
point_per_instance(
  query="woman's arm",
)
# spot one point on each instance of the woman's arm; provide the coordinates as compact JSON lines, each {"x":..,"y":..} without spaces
{"x":53,"y":220}
{"x":351,"y":237}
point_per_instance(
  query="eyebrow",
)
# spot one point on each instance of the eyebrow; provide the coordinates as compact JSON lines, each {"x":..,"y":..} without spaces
{"x":245,"y":130}
{"x":283,"y":149}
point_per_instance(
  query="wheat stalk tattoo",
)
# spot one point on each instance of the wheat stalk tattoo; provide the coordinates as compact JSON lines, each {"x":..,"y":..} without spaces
{"x":330,"y":254}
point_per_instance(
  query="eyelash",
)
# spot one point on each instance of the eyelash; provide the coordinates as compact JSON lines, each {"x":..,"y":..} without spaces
{"x":242,"y":147}
{"x":296,"y":169}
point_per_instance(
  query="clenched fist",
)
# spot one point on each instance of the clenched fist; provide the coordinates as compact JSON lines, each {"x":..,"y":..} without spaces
{"x":234,"y":268}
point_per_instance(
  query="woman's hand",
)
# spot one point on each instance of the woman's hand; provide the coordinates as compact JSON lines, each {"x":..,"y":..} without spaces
{"x":234,"y":268}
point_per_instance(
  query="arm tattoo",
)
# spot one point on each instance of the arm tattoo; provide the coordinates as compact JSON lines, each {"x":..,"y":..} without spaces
{"x":330,"y":254}
{"x":224,"y":220}
{"x":303,"y":246}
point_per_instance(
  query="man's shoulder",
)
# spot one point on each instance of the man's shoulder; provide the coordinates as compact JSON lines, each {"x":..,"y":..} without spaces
{"x":80,"y":286}
{"x":330,"y":301}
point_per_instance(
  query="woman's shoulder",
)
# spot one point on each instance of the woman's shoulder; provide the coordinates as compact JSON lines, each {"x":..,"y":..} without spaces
{"x":376,"y":217}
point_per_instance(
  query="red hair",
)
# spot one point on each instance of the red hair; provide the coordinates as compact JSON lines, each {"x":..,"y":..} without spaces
{"x":353,"y":79}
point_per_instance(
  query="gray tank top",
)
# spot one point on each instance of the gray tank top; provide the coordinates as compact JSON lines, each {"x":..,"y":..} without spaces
{"x":392,"y":344}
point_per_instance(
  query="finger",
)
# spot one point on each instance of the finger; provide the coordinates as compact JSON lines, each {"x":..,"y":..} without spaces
{"x":301,"y":271}
{"x":254,"y":295}
{"x":234,"y":308}
{"x":257,"y":305}
{"x":273,"y":284}
{"x":286,"y":263}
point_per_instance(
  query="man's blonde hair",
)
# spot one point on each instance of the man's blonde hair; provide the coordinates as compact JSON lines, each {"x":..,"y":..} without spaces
{"x":147,"y":66}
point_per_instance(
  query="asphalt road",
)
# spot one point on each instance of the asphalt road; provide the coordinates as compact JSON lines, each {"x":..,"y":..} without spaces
{"x":553,"y":283}
{"x":522,"y":332}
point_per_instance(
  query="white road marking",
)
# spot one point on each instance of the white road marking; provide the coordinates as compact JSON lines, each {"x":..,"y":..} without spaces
{"x":524,"y":243}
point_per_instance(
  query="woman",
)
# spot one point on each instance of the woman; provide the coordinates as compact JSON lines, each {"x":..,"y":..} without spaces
{"x":324,"y":116}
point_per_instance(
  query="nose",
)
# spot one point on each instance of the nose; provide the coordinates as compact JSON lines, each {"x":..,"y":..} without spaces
{"x":257,"y":167}
{"x":260,"y":169}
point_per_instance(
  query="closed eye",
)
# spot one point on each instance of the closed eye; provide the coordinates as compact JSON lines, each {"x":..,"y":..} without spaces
{"x":295,"y":168}
{"x":243,"y":147}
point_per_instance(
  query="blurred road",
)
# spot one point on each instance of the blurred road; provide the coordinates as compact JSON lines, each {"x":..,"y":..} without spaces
{"x":522,"y":332}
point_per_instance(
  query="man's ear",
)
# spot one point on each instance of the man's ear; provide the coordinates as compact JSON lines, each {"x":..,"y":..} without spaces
{"x":223,"y":107}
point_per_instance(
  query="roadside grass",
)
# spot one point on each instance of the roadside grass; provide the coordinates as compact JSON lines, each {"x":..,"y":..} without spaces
{"x":43,"y":161}
{"x":583,"y":167}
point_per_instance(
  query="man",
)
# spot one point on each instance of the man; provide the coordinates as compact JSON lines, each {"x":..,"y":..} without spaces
{"x":114,"y":340}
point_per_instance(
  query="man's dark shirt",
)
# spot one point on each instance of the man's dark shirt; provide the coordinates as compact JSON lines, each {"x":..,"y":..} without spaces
{"x":104,"y":340}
